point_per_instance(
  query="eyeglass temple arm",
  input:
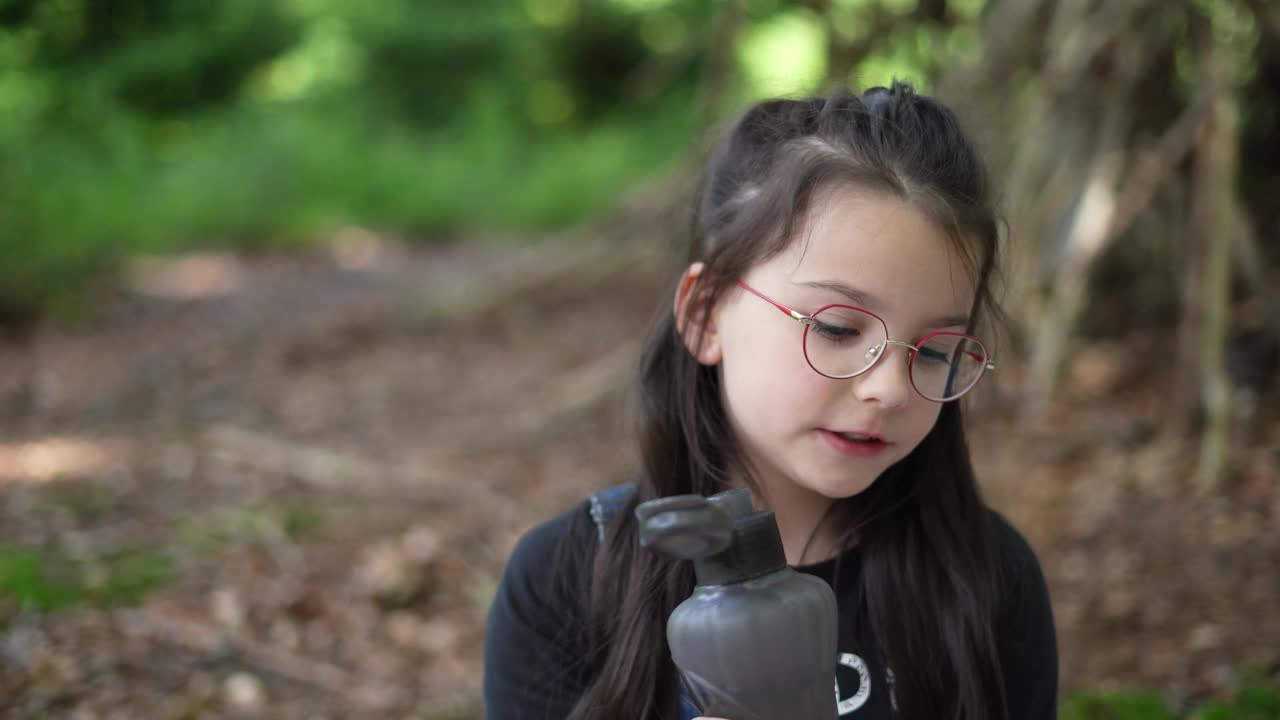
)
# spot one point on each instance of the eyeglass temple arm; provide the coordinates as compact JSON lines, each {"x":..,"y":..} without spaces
{"x":798,"y":316}
{"x":976,"y":356}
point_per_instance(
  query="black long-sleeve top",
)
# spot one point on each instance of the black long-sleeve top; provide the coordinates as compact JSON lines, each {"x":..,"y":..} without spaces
{"x":536,"y":639}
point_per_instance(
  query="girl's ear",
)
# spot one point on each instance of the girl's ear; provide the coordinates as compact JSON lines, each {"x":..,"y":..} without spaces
{"x":695,"y":318}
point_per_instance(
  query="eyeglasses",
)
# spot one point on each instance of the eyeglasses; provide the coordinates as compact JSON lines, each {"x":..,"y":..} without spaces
{"x":843,"y":341}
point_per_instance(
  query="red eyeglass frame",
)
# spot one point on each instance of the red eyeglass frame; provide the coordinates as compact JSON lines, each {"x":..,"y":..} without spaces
{"x":809,"y":321}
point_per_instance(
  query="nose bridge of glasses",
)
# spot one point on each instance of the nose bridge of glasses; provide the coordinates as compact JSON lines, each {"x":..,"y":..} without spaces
{"x":875,"y":351}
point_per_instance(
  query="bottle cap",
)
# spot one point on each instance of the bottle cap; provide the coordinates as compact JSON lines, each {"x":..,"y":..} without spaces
{"x":684,"y":527}
{"x":726,"y":539}
{"x":754,"y":550}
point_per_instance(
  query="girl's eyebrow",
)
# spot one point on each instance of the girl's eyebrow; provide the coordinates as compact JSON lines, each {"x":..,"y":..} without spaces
{"x":855,"y":296}
{"x":862,"y":298}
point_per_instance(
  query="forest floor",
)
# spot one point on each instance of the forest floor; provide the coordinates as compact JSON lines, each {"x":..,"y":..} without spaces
{"x":285,"y":486}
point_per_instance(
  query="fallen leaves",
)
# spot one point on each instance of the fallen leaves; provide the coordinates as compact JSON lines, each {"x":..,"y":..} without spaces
{"x":337,"y":479}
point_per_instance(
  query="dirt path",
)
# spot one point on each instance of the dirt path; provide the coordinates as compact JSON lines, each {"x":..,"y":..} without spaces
{"x":329,"y":457}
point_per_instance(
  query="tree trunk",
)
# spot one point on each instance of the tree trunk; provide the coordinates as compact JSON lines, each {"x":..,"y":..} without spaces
{"x":1085,"y":242}
{"x":1216,"y":178}
{"x":1185,"y":394}
{"x":1103,"y":213}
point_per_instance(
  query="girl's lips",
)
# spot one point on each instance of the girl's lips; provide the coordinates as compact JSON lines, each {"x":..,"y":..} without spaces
{"x":854,"y":448}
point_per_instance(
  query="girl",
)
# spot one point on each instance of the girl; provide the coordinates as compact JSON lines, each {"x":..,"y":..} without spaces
{"x":817,"y":340}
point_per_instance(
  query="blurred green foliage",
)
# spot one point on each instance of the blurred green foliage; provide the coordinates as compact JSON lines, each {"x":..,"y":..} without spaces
{"x":1254,"y":699}
{"x":1116,"y":706}
{"x":42,"y":581}
{"x":50,"y":578}
{"x":148,"y":126}
{"x":154,"y":126}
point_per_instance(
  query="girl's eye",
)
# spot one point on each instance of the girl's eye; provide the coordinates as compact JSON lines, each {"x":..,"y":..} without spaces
{"x":836,"y":333}
{"x":934,"y":355}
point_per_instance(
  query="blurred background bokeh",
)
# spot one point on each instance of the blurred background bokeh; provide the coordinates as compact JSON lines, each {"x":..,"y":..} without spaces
{"x":309,"y":308}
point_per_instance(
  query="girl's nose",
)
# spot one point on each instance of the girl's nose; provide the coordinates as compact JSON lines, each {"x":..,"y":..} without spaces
{"x":888,"y":382}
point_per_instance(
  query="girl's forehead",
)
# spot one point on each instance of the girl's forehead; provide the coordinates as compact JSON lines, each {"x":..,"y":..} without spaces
{"x":884,"y":246}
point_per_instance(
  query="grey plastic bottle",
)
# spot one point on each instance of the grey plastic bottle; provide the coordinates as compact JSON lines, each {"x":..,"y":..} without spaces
{"x":756,"y":640}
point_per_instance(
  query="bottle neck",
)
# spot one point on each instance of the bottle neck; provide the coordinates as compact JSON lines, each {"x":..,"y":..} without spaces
{"x":756,"y":549}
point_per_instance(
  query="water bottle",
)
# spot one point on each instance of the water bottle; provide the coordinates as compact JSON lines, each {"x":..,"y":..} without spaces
{"x":756,"y":640}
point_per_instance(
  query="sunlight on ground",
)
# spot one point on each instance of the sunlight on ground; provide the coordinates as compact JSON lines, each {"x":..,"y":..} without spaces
{"x":200,"y":275}
{"x":52,"y":458}
{"x":355,"y":248}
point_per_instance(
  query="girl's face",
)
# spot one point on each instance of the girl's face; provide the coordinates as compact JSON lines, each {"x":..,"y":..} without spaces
{"x":866,"y":249}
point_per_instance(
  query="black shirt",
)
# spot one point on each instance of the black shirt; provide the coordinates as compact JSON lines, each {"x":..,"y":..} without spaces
{"x":535,"y":640}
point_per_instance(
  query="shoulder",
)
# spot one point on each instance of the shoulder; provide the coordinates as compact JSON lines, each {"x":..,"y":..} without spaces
{"x":557,"y":546}
{"x":1025,"y":628}
{"x":535,"y":634}
{"x":544,"y":585}
{"x":1022,"y":590}
{"x":558,"y":552}
{"x":578,"y":527}
{"x":541,"y":540}
{"x":1009,"y":546}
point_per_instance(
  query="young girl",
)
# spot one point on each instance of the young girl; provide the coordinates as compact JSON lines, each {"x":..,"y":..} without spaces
{"x":815,"y":346}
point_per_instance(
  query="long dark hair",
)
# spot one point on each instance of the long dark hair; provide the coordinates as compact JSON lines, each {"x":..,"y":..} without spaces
{"x":929,"y":578}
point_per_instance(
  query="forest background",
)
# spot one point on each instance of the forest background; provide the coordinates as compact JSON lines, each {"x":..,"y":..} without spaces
{"x":277,"y":280}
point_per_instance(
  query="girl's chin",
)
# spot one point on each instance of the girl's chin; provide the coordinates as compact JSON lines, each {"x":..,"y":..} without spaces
{"x":839,"y":488}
